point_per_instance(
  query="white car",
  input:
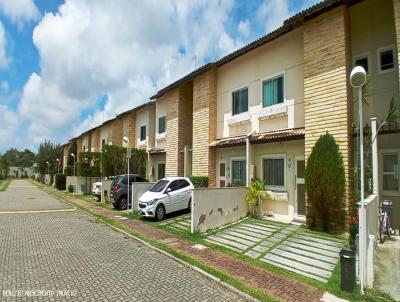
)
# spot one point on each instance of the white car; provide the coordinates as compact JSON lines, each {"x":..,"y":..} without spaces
{"x":96,"y":189}
{"x":168,"y":195}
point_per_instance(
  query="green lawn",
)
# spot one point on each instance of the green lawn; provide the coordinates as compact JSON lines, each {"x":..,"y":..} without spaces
{"x":4,"y":183}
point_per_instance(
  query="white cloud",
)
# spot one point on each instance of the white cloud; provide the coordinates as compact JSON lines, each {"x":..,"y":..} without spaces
{"x":19,"y":11}
{"x":272,"y":13}
{"x":9,"y":124}
{"x":244,"y":27}
{"x":125,"y":49}
{"x":4,"y":59}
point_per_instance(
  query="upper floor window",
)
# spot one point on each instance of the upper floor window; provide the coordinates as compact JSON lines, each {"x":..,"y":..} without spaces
{"x":143,"y":133}
{"x":273,"y":91}
{"x":161,"y":124}
{"x":362,"y":60}
{"x":240,"y":101}
{"x":386,"y":59}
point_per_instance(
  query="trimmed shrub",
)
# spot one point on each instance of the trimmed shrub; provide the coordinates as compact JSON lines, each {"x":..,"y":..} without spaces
{"x":69,"y":170}
{"x":199,"y":181}
{"x":325,"y":187}
{"x":51,"y":180}
{"x":60,"y":181}
{"x":71,"y":189}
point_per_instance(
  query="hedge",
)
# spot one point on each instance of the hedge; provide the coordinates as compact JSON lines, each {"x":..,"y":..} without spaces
{"x":60,"y":181}
{"x":199,"y":181}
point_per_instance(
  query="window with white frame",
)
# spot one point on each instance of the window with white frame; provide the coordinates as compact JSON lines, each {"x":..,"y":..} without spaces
{"x":391,"y":171}
{"x":273,"y":91}
{"x":143,"y":133}
{"x":386,"y":59}
{"x":238,"y":172}
{"x":161,"y":124}
{"x":274,"y":172}
{"x":240,"y":101}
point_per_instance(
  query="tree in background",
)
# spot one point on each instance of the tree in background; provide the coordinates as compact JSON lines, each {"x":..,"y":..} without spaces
{"x":49,"y":152}
{"x":3,"y":167}
{"x":17,"y":158}
{"x":325,"y":187}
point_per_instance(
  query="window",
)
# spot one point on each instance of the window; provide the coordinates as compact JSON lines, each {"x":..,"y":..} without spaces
{"x":175,"y":185}
{"x":391,"y":171}
{"x":362,"y":61}
{"x":159,"y":186}
{"x":273,"y":91}
{"x":161,"y":124}
{"x":161,"y":170}
{"x":103,"y":142}
{"x":238,"y":173}
{"x":274,"y":171}
{"x":386,"y":59}
{"x":183,"y":184}
{"x":143,"y":133}
{"x":240,"y":101}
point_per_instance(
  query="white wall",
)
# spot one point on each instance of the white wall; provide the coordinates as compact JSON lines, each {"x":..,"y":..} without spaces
{"x":284,"y":55}
{"x":79,"y":181}
{"x":214,"y":207}
{"x":138,"y":188}
{"x":142,"y":118}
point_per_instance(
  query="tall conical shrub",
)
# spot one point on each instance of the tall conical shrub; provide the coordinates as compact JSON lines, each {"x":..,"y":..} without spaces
{"x":325,"y":187}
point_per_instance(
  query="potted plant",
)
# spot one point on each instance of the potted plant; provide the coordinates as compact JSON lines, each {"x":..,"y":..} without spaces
{"x":254,"y":195}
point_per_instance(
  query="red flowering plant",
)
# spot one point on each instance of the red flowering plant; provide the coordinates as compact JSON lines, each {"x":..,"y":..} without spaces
{"x":353,"y":231}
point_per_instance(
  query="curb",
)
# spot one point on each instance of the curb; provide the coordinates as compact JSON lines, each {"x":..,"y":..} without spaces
{"x":191,"y":266}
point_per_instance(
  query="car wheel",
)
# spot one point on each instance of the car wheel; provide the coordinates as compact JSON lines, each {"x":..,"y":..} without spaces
{"x":123,"y":202}
{"x":160,"y":213}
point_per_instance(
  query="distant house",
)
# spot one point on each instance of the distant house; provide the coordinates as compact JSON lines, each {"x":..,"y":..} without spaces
{"x":20,"y":172}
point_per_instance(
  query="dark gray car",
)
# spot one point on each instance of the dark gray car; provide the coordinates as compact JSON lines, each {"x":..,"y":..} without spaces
{"x":119,"y":189}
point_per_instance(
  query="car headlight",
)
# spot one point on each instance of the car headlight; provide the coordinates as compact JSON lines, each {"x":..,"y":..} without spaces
{"x":151,"y":202}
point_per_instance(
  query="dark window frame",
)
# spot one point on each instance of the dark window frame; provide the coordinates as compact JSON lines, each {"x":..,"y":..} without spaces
{"x":241,"y":108}
{"x":143,"y":133}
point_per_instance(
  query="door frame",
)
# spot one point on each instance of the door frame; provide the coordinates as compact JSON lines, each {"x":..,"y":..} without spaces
{"x":296,"y":182}
{"x":224,"y":178}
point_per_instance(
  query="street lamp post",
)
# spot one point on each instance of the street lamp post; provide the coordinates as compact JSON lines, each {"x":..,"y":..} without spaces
{"x":76,"y":181}
{"x":358,"y":77}
{"x":58,"y":166}
{"x":128,"y":156}
{"x":48,"y":167}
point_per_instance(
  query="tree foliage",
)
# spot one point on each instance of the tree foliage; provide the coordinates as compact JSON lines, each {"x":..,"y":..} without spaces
{"x":325,"y":187}
{"x":89,"y":164}
{"x":49,"y":152}
{"x":16,"y":158}
{"x":114,"y":161}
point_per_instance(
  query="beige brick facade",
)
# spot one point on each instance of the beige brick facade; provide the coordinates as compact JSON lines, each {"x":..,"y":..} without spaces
{"x":95,"y":140}
{"x":116,"y":136}
{"x":204,"y":125}
{"x":327,"y":96}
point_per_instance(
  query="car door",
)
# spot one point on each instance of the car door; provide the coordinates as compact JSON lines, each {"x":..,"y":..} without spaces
{"x":184,"y":194}
{"x":172,"y":196}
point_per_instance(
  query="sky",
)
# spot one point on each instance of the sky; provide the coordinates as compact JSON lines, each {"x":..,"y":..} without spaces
{"x":68,"y":65}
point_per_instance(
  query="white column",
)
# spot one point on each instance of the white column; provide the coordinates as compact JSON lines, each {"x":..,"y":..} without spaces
{"x":185,"y":161}
{"x":248,"y":161}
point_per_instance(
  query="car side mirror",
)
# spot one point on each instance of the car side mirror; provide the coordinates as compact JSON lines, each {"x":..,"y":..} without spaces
{"x":168,"y":190}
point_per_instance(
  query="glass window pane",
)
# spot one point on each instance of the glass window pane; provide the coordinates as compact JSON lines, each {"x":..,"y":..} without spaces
{"x":390,"y":183}
{"x":363,"y":62}
{"x":387,"y":59}
{"x":142,"y":133}
{"x":300,"y":168}
{"x":161,"y":124}
{"x":222,"y":169}
{"x":390,"y":162}
{"x":239,"y":172}
{"x":240,"y":101}
{"x":274,"y":173}
{"x":273,"y":91}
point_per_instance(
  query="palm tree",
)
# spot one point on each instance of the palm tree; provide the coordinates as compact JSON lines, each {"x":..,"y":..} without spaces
{"x":255,"y":194}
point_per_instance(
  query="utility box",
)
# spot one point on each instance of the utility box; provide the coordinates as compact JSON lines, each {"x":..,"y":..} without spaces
{"x":347,"y":270}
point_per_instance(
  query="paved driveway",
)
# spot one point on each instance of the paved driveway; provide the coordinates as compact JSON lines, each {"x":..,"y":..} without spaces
{"x":70,"y":252}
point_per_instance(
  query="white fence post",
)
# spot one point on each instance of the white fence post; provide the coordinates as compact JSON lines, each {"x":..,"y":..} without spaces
{"x":375,"y":177}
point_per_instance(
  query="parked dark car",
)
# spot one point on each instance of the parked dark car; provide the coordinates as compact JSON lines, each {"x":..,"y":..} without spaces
{"x":119,"y":189}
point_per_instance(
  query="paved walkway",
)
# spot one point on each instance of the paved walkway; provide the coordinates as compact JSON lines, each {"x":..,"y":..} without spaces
{"x":273,"y":284}
{"x":70,"y":252}
{"x":181,"y":222}
{"x":283,"y":245}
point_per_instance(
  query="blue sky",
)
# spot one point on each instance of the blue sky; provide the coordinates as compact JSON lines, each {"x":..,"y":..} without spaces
{"x":65,"y":67}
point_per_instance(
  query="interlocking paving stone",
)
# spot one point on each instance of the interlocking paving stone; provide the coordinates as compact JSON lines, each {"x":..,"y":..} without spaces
{"x":269,"y":225}
{"x":248,"y":228}
{"x":259,"y":227}
{"x":332,"y":260}
{"x":248,"y":233}
{"x":262,"y":248}
{"x":67,"y":250}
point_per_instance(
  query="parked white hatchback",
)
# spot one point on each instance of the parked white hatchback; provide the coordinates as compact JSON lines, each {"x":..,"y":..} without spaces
{"x":168,"y":195}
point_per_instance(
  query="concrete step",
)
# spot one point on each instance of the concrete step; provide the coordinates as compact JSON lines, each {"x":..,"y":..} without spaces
{"x":310,"y":249}
{"x":230,"y":243}
{"x":331,"y":260}
{"x":257,"y":231}
{"x":248,"y":233}
{"x":316,"y":244}
{"x":224,"y":245}
{"x":243,"y":236}
{"x":320,"y":240}
{"x":248,"y":243}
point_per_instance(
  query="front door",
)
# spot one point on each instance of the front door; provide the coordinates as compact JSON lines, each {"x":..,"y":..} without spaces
{"x":300,"y":189}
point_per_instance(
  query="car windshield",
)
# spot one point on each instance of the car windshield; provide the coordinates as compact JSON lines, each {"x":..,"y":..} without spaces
{"x":158,"y":187}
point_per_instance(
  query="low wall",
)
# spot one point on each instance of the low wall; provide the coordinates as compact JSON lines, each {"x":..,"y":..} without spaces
{"x":138,"y":188}
{"x":84,"y":184}
{"x":214,"y":207}
{"x":372,"y":215}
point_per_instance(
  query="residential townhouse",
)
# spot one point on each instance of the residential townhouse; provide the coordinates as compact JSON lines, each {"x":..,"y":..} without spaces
{"x":258,"y":111}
